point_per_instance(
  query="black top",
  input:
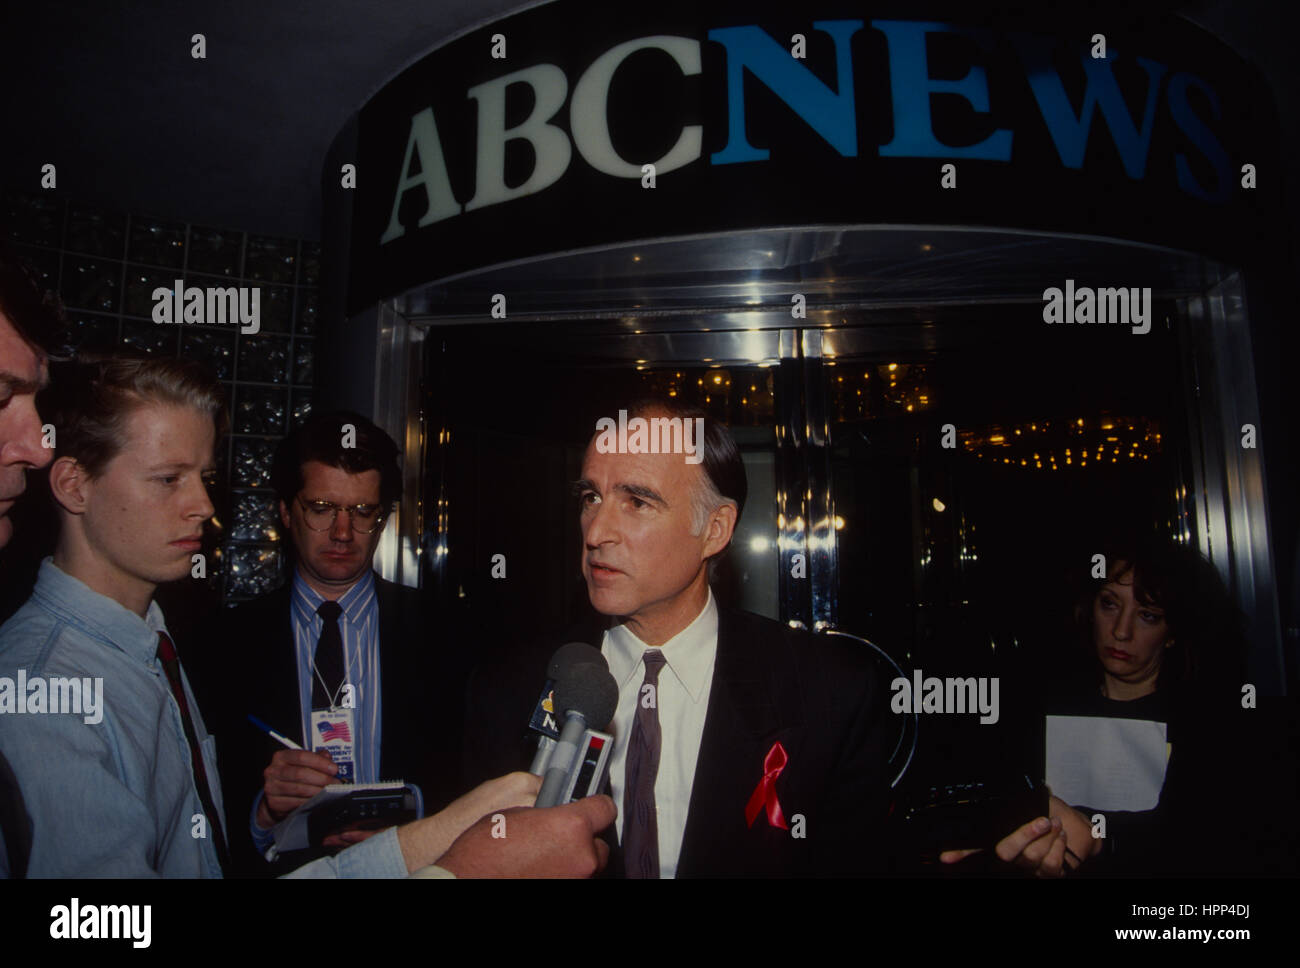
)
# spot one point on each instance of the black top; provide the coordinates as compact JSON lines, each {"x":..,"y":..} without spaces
{"x":1193,"y":829}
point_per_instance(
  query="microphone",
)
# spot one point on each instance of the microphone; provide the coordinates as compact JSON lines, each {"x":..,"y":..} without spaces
{"x":588,"y":694}
{"x":543,"y":719}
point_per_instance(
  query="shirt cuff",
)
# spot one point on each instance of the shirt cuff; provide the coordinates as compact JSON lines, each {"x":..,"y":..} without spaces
{"x":433,"y":872}
{"x":262,"y":837}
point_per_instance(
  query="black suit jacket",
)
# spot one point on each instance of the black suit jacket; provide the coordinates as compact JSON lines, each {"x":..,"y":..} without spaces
{"x":819,"y":697}
{"x":248,"y":666}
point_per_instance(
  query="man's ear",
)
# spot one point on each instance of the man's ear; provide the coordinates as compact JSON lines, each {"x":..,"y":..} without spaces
{"x":722,"y":523}
{"x":68,"y":484}
{"x":284,"y":514}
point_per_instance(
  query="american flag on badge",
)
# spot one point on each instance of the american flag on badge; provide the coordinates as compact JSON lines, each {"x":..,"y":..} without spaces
{"x":339,"y":730}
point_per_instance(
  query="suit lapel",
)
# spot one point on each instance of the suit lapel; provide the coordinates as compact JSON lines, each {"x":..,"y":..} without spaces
{"x":743,"y":721}
{"x":399,"y":682}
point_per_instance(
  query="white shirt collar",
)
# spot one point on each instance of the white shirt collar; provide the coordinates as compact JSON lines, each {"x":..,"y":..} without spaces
{"x":689,"y":653}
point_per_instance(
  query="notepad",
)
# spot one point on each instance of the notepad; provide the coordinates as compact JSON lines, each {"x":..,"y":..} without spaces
{"x":343,"y":805}
{"x":1105,"y":763}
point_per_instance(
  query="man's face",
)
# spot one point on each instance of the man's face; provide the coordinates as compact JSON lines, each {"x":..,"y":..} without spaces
{"x":1129,"y":636}
{"x":22,"y":372}
{"x":639,"y":558}
{"x":331,"y":561}
{"x":144,"y":512}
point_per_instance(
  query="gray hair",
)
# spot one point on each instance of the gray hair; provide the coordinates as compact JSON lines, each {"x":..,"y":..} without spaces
{"x":705,"y":499}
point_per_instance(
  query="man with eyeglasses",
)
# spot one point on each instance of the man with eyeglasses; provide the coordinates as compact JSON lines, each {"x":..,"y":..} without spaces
{"x":338,"y":660}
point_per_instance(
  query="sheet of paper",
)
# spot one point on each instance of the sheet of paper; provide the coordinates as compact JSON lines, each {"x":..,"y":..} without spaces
{"x":1107,"y":764}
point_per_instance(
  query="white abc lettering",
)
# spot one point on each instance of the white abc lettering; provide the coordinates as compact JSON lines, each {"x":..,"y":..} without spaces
{"x":423,"y":143}
{"x":551,"y":148}
{"x":589,"y":114}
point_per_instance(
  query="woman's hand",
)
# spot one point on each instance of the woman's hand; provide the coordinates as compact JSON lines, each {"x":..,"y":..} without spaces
{"x":1040,"y":845}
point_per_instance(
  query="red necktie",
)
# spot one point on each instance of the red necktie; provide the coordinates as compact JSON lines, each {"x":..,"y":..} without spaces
{"x":172,"y":667}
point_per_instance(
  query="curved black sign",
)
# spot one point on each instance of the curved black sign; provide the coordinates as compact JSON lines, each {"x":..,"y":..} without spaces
{"x":576,"y":124}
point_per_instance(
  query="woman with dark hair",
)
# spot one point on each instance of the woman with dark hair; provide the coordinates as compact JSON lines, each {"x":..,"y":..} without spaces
{"x":1159,"y":620}
{"x":1138,"y":738}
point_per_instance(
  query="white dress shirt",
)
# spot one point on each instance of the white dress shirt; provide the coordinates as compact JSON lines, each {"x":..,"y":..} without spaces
{"x":683,"y":701}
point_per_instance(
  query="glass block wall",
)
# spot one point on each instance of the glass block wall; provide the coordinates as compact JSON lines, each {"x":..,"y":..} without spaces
{"x":106,"y":265}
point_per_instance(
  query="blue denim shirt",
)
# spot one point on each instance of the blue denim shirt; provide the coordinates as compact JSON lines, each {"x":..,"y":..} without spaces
{"x":117,"y":797}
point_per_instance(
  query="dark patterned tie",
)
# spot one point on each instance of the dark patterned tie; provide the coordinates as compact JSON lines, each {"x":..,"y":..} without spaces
{"x":172,"y":667}
{"x":640,"y":824}
{"x":329,"y":657}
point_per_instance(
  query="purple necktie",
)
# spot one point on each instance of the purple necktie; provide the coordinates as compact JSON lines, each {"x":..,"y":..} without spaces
{"x":640,"y":825}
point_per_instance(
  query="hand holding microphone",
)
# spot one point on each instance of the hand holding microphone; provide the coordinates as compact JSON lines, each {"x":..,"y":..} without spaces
{"x":553,"y":842}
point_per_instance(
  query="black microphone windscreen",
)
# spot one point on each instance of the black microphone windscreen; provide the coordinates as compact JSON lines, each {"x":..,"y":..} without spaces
{"x":589,"y":689}
{"x":570,"y":654}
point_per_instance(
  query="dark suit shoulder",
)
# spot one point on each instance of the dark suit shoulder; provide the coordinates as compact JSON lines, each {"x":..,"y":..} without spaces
{"x":503,"y":689}
{"x":273,"y":605}
{"x":842,"y":663}
{"x":393,"y":592}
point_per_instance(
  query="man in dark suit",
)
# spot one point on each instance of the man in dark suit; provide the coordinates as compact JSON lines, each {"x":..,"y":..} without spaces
{"x":338,"y":660}
{"x":742,"y":747}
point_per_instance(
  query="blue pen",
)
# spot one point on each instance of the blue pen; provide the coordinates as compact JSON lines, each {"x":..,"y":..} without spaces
{"x":273,"y":734}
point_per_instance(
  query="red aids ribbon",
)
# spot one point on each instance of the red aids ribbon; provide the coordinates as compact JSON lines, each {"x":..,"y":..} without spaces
{"x":764,"y":794}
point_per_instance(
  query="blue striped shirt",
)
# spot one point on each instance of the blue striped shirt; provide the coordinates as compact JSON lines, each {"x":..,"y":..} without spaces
{"x":359,"y":626}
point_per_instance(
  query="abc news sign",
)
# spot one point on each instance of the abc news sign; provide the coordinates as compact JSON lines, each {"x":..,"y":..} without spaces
{"x":468,"y":160}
